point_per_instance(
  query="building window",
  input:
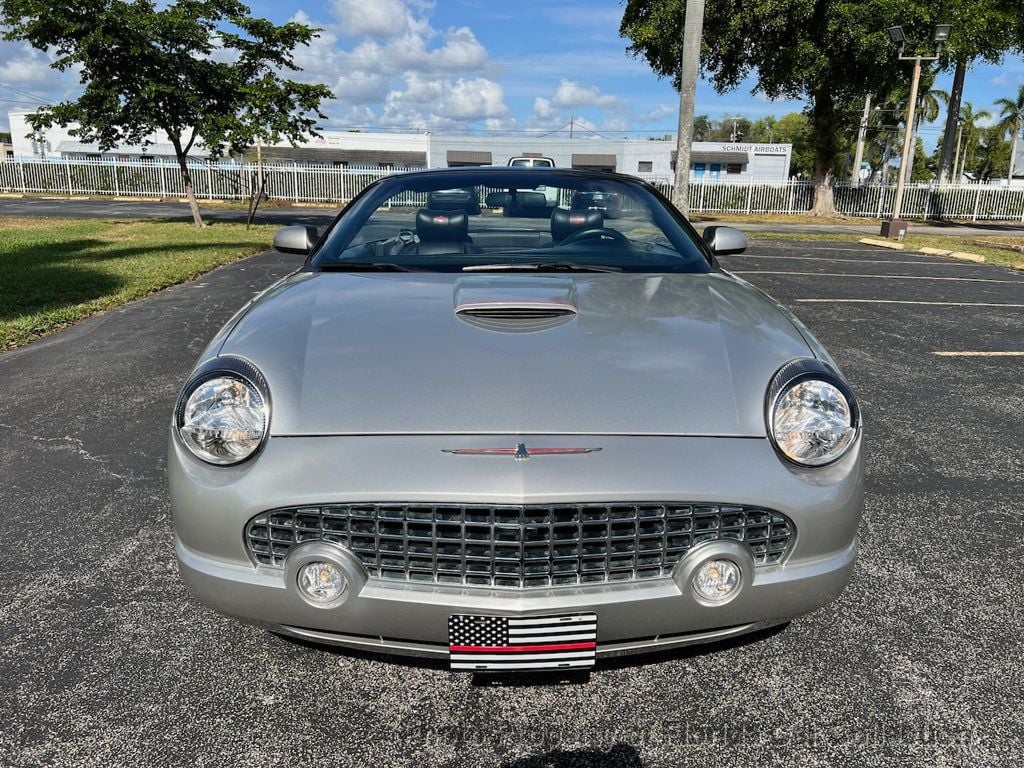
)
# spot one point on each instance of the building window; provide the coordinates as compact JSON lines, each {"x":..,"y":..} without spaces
{"x":645,"y":166}
{"x":734,"y":168}
{"x":146,"y":158}
{"x":386,"y":166}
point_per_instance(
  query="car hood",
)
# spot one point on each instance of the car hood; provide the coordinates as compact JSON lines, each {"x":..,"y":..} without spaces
{"x":373,"y":353}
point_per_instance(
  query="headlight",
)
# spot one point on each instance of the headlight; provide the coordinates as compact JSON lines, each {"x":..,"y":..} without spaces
{"x":222,"y":415}
{"x":812,"y":414}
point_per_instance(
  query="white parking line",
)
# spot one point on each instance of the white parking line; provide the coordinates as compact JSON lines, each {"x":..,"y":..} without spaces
{"x":979,"y":354}
{"x":901,"y":301}
{"x":876,"y":277}
{"x":926,"y":262}
{"x":755,"y":243}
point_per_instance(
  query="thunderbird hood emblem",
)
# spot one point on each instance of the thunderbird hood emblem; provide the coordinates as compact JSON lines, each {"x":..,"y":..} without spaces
{"x":520,"y":452}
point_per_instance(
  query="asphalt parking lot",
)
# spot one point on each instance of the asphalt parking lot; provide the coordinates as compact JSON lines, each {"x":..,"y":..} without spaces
{"x":105,"y":660}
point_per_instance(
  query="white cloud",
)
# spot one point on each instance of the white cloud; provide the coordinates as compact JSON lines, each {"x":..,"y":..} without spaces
{"x":433,"y":103}
{"x":543,"y":110}
{"x":571,"y":95}
{"x":658,"y":113}
{"x":22,"y":66}
{"x":397,"y":71}
{"x":27,"y":81}
{"x":373,"y":18}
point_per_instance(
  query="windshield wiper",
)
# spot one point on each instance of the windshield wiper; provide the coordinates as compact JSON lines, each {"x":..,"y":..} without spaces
{"x":541,"y":266}
{"x":365,"y":266}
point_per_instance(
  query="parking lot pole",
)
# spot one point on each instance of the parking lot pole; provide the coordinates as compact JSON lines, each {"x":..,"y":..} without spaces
{"x":908,"y":140}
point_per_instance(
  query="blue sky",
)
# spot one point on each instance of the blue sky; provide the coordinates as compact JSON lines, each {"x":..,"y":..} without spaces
{"x":482,"y":65}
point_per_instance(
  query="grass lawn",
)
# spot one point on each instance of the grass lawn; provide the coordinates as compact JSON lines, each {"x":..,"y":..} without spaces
{"x":1004,"y":251}
{"x":54,"y":272}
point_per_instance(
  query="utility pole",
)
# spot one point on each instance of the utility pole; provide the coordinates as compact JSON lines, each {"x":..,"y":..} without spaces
{"x":947,"y":157}
{"x":862,"y":135}
{"x":735,"y":131}
{"x":689,"y":66}
{"x":572,"y":121}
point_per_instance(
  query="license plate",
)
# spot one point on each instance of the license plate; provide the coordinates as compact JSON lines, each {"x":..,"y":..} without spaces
{"x":503,"y":643}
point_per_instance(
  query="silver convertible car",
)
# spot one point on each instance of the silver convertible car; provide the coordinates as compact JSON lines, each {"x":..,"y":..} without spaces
{"x":514,"y":436}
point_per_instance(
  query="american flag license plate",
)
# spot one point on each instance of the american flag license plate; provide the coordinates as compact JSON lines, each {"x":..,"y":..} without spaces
{"x":500,"y":643}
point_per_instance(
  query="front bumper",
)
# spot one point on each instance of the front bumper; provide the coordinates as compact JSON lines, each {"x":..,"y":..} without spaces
{"x":211,"y":506}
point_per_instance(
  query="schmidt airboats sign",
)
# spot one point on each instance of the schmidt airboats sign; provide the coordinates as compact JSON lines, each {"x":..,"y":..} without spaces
{"x":757,"y":149}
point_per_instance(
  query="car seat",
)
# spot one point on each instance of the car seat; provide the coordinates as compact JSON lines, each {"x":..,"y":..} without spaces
{"x":441,"y":232}
{"x":565,"y":223}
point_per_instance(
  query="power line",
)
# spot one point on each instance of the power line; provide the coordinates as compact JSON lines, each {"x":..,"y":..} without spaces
{"x":23,"y":93}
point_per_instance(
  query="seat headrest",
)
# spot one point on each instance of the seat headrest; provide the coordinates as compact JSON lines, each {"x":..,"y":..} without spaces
{"x":436,"y":226}
{"x":564,"y":223}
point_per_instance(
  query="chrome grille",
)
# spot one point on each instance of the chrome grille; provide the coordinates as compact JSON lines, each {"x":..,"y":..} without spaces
{"x":519,"y":546}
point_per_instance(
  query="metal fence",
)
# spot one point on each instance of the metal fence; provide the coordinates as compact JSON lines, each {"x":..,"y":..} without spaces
{"x":336,"y":185}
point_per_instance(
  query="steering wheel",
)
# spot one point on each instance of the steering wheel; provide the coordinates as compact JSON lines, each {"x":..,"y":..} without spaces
{"x":596,"y":233}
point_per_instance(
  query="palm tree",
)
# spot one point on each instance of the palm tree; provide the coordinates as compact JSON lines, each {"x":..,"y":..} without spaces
{"x":929,"y":103}
{"x":1012,"y":114}
{"x":969,"y":120}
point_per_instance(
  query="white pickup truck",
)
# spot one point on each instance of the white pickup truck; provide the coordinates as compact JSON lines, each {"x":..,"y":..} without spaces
{"x":527,"y":202}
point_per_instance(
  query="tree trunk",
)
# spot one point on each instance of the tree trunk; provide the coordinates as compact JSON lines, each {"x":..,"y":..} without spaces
{"x":948,"y":157}
{"x":826,"y":149}
{"x":824,"y":196}
{"x":186,"y":178}
{"x":693,"y":27}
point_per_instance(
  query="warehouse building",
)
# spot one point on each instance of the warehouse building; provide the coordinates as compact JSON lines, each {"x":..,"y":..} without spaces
{"x":406,"y":151}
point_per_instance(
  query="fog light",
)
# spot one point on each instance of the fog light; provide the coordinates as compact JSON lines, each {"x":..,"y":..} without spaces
{"x":322,"y":582}
{"x":717,"y":580}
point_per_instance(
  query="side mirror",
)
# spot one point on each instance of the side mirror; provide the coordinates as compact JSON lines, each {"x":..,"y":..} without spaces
{"x":296,"y":239}
{"x":725,"y":240}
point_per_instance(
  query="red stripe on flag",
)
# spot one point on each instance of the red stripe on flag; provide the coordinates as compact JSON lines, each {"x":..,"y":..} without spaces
{"x":521,"y":648}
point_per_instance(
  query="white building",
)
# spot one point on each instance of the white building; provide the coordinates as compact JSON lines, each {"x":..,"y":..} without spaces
{"x":57,"y":142}
{"x":656,"y":159}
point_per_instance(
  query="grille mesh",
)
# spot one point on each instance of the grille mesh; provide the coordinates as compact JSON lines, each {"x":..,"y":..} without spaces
{"x":519,"y":546}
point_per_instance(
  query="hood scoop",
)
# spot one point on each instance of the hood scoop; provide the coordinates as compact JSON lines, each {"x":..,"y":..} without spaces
{"x":514,"y":304}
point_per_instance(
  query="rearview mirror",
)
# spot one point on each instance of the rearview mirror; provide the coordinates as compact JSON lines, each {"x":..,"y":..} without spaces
{"x":297,"y":239}
{"x":725,"y":240}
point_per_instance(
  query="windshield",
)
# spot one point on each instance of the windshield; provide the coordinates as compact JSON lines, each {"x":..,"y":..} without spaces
{"x":511,"y":219}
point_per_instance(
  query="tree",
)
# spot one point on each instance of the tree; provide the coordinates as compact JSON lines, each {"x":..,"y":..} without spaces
{"x":794,"y":128}
{"x":702,"y":128}
{"x":827,"y":52}
{"x":929,"y":103}
{"x":982,"y":29}
{"x":195,"y":70}
{"x":969,"y":138}
{"x":1011,"y":114}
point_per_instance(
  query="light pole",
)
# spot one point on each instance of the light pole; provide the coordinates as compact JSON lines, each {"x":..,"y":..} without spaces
{"x":896,"y":227}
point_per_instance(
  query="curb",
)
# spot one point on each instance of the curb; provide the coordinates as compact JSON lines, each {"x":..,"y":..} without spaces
{"x":977,"y":258}
{"x":882,"y":244}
